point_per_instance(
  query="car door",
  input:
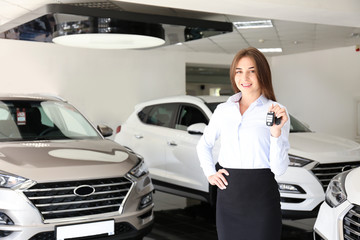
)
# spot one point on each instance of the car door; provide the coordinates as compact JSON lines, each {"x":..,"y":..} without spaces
{"x":181,"y":156}
{"x":150,"y":138}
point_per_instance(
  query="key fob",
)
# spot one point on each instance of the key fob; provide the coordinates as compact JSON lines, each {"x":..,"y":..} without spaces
{"x":271,"y":119}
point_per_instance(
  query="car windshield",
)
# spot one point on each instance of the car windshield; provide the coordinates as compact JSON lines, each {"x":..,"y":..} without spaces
{"x":295,"y":125}
{"x":42,"y":120}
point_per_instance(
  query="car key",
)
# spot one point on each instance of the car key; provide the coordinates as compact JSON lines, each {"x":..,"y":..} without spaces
{"x":271,"y":119}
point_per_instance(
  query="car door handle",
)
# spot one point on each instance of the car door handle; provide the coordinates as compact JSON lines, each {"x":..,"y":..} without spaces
{"x":172,"y":143}
{"x":138,"y":136}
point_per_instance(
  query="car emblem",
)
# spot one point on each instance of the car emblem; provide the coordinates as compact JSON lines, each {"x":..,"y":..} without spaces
{"x":84,"y":190}
{"x":345,"y":168}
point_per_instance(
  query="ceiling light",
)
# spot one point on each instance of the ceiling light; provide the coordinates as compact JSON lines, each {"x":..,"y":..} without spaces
{"x":94,"y":27}
{"x":108,"y":33}
{"x":253,"y":24}
{"x":108,"y":41}
{"x":270,"y":50}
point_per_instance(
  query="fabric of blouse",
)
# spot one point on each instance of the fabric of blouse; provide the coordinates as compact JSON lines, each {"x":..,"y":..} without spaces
{"x":246,"y":142}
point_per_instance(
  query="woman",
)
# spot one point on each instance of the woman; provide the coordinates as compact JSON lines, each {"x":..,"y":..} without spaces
{"x":251,"y":153}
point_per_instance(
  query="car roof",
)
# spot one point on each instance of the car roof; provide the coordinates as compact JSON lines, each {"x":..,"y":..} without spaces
{"x":184,"y":98}
{"x":31,"y":97}
{"x":211,"y":99}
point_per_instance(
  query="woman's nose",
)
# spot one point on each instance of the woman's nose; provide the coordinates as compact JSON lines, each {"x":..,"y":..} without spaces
{"x":247,"y":76}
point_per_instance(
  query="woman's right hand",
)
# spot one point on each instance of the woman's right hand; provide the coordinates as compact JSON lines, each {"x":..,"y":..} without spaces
{"x":218,"y":179}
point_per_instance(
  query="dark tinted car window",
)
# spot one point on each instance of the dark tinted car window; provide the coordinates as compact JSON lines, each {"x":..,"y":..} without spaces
{"x":212,"y":105}
{"x":190,"y":115}
{"x":161,"y":115}
{"x":144,"y":113}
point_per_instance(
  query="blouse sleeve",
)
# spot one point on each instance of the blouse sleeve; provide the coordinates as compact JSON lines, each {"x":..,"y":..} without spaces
{"x":206,"y":144}
{"x":279,"y":147}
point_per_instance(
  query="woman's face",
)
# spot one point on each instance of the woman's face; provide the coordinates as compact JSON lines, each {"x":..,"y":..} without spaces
{"x":246,"y":78}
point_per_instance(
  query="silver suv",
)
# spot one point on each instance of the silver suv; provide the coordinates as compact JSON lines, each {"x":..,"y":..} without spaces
{"x":61,"y":179}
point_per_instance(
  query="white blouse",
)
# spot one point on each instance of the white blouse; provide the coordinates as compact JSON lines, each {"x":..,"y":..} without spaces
{"x":245,"y":140}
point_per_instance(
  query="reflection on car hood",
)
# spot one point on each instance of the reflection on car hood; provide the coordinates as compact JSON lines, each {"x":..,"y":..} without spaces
{"x":352,"y":186}
{"x":323,"y":148}
{"x":64,"y":160}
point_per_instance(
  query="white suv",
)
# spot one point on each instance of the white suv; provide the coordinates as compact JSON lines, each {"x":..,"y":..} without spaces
{"x":339,"y":215}
{"x":166,"y":131}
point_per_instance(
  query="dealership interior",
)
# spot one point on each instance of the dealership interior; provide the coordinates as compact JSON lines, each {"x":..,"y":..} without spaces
{"x":186,"y":48}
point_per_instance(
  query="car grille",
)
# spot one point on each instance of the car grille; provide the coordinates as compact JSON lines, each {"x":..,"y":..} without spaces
{"x":351,"y":224}
{"x":325,"y":172}
{"x":58,"y":200}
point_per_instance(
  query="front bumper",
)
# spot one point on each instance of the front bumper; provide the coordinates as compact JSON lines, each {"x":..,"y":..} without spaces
{"x":27,"y":222}
{"x":329,"y":223}
{"x":304,"y":204}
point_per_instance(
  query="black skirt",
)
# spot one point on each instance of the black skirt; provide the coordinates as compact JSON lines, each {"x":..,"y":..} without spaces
{"x":249,"y":207}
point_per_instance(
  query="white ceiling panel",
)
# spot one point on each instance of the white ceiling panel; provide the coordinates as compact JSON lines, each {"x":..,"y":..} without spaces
{"x":30,"y":4}
{"x":8,"y":10}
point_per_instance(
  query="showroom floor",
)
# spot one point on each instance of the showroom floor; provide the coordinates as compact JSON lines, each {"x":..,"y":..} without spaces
{"x":177,"y":218}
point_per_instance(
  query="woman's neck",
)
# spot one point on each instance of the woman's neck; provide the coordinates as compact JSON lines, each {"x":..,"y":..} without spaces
{"x":247,"y":100}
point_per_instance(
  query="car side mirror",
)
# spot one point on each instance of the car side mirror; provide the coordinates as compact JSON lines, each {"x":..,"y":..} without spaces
{"x":105,"y":130}
{"x":196,"y":129}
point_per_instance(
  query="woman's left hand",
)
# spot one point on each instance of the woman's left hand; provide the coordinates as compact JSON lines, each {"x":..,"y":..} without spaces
{"x":275,"y":130}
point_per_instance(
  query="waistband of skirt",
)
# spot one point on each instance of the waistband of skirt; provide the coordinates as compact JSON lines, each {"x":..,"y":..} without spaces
{"x":248,"y":170}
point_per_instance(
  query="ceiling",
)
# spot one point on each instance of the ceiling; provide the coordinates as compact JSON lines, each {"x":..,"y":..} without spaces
{"x":292,"y":36}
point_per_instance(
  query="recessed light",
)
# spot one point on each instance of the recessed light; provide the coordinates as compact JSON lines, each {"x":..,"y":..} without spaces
{"x":108,"y":41}
{"x":270,"y":50}
{"x":253,"y":24}
{"x":108,"y":33}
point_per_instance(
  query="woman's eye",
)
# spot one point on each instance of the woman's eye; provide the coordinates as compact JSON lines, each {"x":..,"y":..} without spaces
{"x":237,"y":72}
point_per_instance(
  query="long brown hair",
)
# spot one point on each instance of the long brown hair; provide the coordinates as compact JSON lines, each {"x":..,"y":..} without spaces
{"x":262,"y":67}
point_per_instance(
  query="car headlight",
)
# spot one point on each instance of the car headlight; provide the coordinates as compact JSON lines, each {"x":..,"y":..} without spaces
{"x":10,"y":181}
{"x":298,"y":161}
{"x":141,"y":169}
{"x":335,"y":192}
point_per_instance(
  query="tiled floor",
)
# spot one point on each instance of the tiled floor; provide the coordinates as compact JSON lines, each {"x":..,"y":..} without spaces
{"x":177,"y":218}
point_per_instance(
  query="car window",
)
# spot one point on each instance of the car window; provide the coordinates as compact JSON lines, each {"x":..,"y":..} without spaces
{"x":297,"y":126}
{"x":190,"y":115}
{"x":162,"y":115}
{"x":212,"y":106}
{"x":42,"y":120}
{"x":143,"y":114}
{"x":74,"y":122}
{"x":4,"y":114}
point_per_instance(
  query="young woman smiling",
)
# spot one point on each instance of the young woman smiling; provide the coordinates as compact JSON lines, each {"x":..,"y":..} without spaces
{"x":251,"y":153}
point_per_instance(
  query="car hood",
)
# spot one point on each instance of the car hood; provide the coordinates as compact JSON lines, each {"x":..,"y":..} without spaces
{"x":44,"y":161}
{"x":352,"y":186}
{"x":323,"y":148}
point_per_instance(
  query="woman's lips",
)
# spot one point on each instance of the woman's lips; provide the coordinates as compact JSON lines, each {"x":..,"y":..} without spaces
{"x":245,"y":85}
